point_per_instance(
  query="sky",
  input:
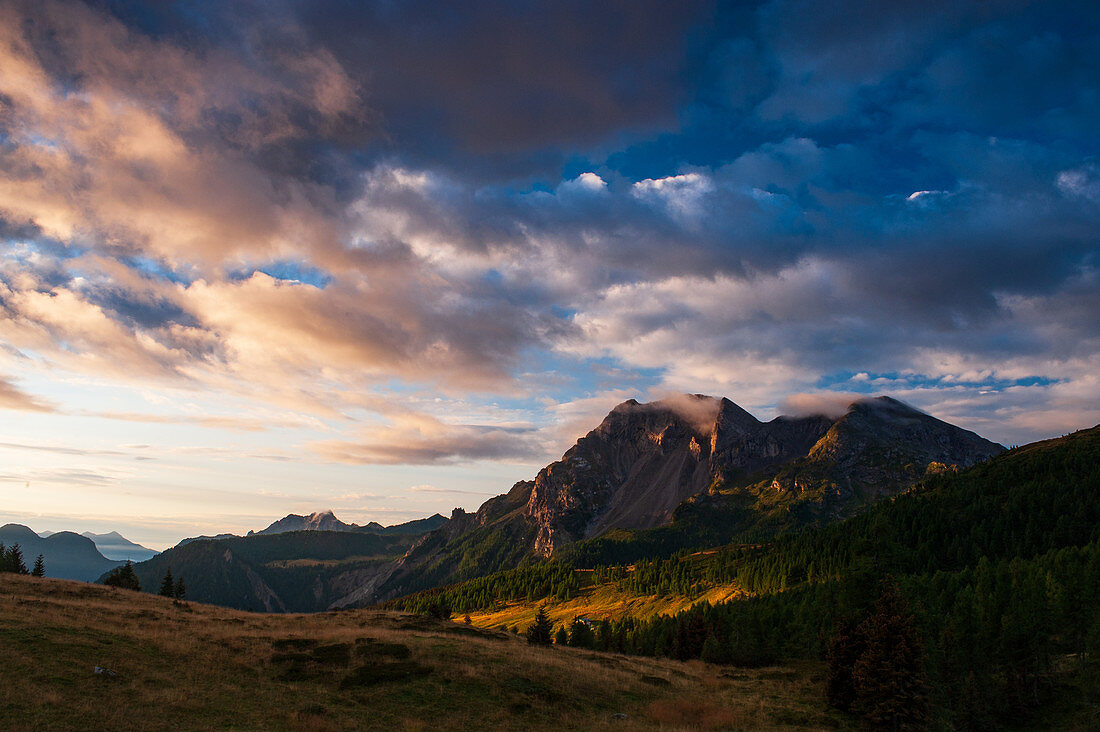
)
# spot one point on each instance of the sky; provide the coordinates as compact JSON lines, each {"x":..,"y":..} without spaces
{"x":389,"y":258}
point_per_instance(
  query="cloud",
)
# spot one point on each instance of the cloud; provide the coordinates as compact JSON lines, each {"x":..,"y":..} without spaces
{"x":12,"y":397}
{"x":59,"y":449}
{"x":827,"y":404}
{"x":433,"y":489}
{"x":61,"y":476}
{"x":422,"y":440}
{"x":1082,"y":182}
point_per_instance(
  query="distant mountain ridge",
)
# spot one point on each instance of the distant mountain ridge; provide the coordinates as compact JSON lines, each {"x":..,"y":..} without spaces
{"x":327,"y":521}
{"x":283,"y":571}
{"x":645,"y":463}
{"x":318,"y":521}
{"x":67,"y":555}
{"x":114,"y":545}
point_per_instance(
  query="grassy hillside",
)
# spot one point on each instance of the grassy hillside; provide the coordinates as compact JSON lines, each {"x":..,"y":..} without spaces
{"x":204,"y":667}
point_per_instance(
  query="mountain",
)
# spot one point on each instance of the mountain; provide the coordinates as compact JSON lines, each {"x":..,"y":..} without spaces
{"x":283,"y":571}
{"x":114,"y":545}
{"x":994,"y":571}
{"x":320,"y":521}
{"x":691,"y":460}
{"x":67,"y":555}
{"x":215,"y":537}
{"x":327,"y":521}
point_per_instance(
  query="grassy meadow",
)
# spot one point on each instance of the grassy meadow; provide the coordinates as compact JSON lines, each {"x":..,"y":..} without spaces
{"x":197,"y":666}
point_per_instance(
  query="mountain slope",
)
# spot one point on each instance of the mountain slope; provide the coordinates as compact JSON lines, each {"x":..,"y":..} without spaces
{"x":67,"y":555}
{"x":645,"y":465}
{"x":296,"y":571}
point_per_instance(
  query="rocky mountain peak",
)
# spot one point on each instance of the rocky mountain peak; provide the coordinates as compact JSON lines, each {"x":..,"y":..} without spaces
{"x":645,"y":460}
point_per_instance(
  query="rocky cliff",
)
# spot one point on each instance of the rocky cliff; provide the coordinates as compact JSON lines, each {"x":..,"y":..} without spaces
{"x":644,"y":461}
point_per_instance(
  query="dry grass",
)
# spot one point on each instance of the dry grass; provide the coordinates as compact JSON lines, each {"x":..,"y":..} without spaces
{"x":202,"y":667}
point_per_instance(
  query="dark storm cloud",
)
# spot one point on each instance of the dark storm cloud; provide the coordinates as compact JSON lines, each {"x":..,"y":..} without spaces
{"x":498,"y":87}
{"x":499,"y":78}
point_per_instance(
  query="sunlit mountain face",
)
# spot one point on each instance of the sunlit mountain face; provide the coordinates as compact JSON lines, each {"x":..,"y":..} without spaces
{"x":387,"y":259}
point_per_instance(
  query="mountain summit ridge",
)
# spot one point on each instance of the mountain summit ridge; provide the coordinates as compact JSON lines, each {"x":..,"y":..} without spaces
{"x":646,"y":460}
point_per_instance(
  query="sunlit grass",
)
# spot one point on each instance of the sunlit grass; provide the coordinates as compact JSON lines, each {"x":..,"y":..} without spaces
{"x":598,"y":602}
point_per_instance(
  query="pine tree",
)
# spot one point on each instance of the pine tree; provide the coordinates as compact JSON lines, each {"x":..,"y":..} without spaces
{"x":539,"y":632}
{"x":167,"y":585}
{"x":561,"y":638}
{"x":439,"y":608}
{"x":845,"y":648}
{"x":180,"y":590}
{"x":39,"y":567}
{"x":714,"y":650}
{"x":123,"y":577}
{"x":891,"y":689}
{"x":14,"y":560}
{"x":580,"y":635}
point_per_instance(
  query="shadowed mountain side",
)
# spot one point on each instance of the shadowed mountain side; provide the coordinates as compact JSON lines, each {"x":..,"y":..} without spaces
{"x":697,"y":456}
{"x":298,"y":571}
{"x":67,"y":555}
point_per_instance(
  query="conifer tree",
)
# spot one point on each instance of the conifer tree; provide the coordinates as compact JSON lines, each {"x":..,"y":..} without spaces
{"x":168,"y":585}
{"x":180,"y":590}
{"x":561,"y":638}
{"x":123,"y":577}
{"x":846,"y":647}
{"x":891,"y":689}
{"x":580,"y":635}
{"x":539,"y":632}
{"x":714,"y":650}
{"x":14,"y":560}
{"x":39,"y":567}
